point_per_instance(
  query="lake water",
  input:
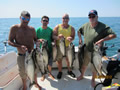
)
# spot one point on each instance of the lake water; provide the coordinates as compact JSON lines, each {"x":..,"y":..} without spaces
{"x":76,"y":22}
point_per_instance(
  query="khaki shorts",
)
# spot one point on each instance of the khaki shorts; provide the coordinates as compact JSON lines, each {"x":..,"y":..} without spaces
{"x":87,"y":59}
{"x":21,"y":66}
{"x":59,"y":54}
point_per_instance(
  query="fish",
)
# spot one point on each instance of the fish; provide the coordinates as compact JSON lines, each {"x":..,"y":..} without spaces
{"x":96,"y":59}
{"x":38,"y":58}
{"x":54,"y":52}
{"x":30,"y":67}
{"x":81,"y":55}
{"x":45,"y":54}
{"x":71,"y":54}
{"x":62,"y":47}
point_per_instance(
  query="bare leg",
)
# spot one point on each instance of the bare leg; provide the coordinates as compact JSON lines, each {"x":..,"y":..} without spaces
{"x":59,"y":64}
{"x":93,"y":79}
{"x":69,"y":69}
{"x":37,"y":85}
{"x":82,"y":73}
{"x":50,"y":75}
{"x":68,"y":64}
{"x":35,"y":77}
{"x":24,"y":84}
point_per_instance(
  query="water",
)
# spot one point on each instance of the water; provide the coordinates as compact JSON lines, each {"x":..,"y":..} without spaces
{"x":113,"y":22}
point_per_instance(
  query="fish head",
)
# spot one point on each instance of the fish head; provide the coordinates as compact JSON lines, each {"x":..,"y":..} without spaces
{"x":38,"y":49}
{"x":28,"y":54}
{"x":44,"y":43}
{"x":62,"y":39}
{"x":96,"y":48}
{"x":71,"y":45}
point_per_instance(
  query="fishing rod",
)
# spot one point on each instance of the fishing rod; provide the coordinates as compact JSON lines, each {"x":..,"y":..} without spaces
{"x":5,"y":45}
{"x":105,"y":47}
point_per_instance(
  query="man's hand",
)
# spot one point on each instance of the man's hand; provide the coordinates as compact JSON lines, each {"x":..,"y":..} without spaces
{"x":69,"y":39}
{"x":24,"y":48}
{"x":60,"y":36}
{"x":99,"y":43}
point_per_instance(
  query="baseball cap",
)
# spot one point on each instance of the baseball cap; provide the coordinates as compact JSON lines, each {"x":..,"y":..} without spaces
{"x":93,"y":12}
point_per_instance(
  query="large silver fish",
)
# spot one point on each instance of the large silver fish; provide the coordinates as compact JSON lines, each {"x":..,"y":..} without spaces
{"x":30,"y":67}
{"x":54,"y":52}
{"x":97,"y":59}
{"x":45,"y":53}
{"x":81,"y":55}
{"x":37,"y":56}
{"x":71,"y":54}
{"x":62,"y":47}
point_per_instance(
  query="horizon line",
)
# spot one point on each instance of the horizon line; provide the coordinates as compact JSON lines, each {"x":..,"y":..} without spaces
{"x":61,"y":17}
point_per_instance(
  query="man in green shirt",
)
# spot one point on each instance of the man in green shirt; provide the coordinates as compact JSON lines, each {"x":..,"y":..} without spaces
{"x":93,"y":32}
{"x":45,"y":33}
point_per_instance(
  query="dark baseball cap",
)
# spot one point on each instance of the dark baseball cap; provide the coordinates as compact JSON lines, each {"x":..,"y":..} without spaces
{"x":93,"y":12}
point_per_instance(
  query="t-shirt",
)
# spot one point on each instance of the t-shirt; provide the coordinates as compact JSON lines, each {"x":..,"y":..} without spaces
{"x":92,"y":35}
{"x":45,"y":34}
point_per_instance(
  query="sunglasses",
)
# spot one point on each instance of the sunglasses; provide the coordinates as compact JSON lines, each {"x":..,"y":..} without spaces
{"x":91,"y":17}
{"x":66,"y":18}
{"x":27,"y":19}
{"x":45,"y":20}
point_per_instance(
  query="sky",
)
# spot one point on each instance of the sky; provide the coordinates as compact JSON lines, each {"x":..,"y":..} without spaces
{"x":57,"y":8}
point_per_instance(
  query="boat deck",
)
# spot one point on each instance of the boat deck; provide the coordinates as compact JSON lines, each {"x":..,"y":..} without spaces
{"x":66,"y":82}
{"x":10,"y":80}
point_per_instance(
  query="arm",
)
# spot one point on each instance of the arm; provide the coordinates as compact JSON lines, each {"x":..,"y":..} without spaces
{"x":109,"y":37}
{"x":71,"y":38}
{"x":12,"y":37}
{"x":34,"y":35}
{"x":80,"y":38}
{"x":55,"y":35}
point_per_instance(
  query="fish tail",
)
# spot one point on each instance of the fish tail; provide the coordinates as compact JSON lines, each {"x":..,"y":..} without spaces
{"x":34,"y":83}
{"x":31,"y":84}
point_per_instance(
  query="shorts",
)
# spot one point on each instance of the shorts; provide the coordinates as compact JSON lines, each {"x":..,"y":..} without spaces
{"x":21,"y":66}
{"x":87,"y":59}
{"x":59,"y":54}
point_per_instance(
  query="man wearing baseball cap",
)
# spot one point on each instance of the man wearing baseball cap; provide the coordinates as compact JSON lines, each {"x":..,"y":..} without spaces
{"x":93,"y":32}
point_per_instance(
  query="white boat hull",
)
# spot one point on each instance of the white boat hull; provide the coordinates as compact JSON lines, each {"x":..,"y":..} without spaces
{"x":10,"y":79}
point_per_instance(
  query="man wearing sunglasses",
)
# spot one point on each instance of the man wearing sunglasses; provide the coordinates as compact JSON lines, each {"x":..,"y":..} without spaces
{"x":22,"y":37}
{"x":45,"y":33}
{"x":93,"y":32}
{"x":68,"y":32}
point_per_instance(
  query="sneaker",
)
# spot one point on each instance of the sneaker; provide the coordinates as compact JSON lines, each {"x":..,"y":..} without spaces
{"x":71,"y":74}
{"x":59,"y":75}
